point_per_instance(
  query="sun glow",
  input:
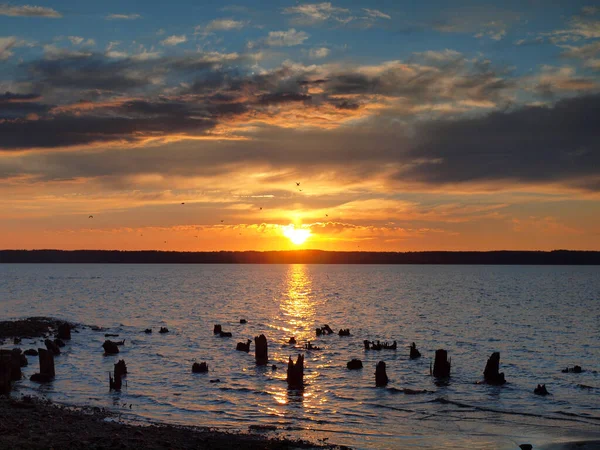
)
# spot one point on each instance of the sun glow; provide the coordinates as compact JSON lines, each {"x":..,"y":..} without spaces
{"x":297,"y":235}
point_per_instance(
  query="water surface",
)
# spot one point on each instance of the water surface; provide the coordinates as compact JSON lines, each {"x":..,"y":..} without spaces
{"x":541,"y":319}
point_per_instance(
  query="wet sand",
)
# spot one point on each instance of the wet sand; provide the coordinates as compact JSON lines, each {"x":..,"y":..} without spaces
{"x":29,"y":423}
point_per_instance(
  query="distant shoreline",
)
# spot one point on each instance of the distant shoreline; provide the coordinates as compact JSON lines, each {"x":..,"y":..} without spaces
{"x":506,"y":257}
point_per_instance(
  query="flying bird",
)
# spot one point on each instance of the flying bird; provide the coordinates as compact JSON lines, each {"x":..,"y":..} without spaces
{"x":261,"y":208}
{"x":90,"y":217}
{"x":297,"y":183}
{"x":183,"y":203}
{"x":222,"y":221}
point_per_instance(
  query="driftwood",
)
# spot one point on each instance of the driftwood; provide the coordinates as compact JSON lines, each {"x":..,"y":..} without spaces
{"x":414,"y":353}
{"x":344,"y":332}
{"x":441,"y":365}
{"x":225,"y":334}
{"x":261,"y":350}
{"x":199,"y":367}
{"x":325,"y":329}
{"x":243,"y":347}
{"x":492,"y":374}
{"x":64,"y":332}
{"x":380,"y":345}
{"x":574,"y":369}
{"x":381,"y":378}
{"x":110,"y":347}
{"x":295,"y":373}
{"x":355,"y":364}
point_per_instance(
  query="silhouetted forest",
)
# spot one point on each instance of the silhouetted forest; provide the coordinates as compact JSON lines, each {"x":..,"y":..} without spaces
{"x":556,"y":257}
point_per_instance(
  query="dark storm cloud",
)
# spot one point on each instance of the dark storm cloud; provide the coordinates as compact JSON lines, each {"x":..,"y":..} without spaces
{"x":532,"y":144}
{"x":283,"y":97}
{"x":14,"y":106}
{"x":67,"y":130}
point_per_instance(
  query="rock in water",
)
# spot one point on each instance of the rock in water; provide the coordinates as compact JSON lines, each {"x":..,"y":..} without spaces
{"x":492,"y":374}
{"x":261,"y":350}
{"x":381,"y":378}
{"x":441,"y":365}
{"x":110,"y":347}
{"x":295,"y":373}
{"x":52,"y":347}
{"x":200,"y":367}
{"x":355,"y":364}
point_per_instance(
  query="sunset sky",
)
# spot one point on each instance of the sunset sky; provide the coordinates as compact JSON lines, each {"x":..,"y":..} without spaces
{"x":187,"y":125}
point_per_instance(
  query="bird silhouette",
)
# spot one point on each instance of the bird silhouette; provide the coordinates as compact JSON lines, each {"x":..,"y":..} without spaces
{"x":183,"y":203}
{"x":326,"y":215}
{"x":222,"y":221}
{"x":90,"y":217}
{"x":297,"y":183}
{"x":261,"y":208}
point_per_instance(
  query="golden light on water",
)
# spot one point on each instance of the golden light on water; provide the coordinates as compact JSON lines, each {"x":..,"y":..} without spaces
{"x":297,"y":235}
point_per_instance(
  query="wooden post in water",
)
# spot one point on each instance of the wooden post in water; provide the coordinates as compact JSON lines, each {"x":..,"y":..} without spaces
{"x":5,"y":373}
{"x":46,"y":366}
{"x":261,"y":351}
{"x":64,"y":331}
{"x":295,"y":373}
{"x":441,"y":365}
{"x":381,"y":378}
{"x":492,"y":374}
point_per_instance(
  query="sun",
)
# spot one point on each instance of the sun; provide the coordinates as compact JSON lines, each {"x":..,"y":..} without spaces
{"x":297,"y":235}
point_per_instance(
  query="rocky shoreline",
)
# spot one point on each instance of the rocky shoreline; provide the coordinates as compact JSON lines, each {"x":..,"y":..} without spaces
{"x":33,"y":423}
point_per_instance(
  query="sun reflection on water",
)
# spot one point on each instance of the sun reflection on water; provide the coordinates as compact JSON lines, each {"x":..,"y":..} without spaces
{"x":297,"y":306}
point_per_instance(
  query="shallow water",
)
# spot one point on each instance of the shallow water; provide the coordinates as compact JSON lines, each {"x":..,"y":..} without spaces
{"x":541,"y":319}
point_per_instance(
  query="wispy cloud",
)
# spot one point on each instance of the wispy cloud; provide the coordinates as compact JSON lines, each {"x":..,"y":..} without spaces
{"x":174,"y":40}
{"x":315,"y":13}
{"x":287,"y":38}
{"x":318,"y":53}
{"x":376,"y":14}
{"x":123,"y":17}
{"x":28,"y":11}
{"x":224,"y":25}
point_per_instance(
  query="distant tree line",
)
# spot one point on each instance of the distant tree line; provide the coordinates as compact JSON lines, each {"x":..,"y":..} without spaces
{"x":555,"y":257}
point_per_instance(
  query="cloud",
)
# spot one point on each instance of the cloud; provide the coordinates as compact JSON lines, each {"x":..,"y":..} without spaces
{"x":224,"y":25}
{"x":288,"y":38}
{"x":123,"y":17}
{"x":315,"y":13}
{"x":536,"y":144}
{"x":28,"y":11}
{"x":6,"y":44}
{"x":376,"y":14}
{"x":318,"y":53}
{"x":54,"y":52}
{"x":174,"y":40}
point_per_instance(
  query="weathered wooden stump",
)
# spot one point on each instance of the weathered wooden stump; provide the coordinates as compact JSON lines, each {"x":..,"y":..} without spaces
{"x":121,"y":368}
{"x":217,"y":329}
{"x":110,"y":347}
{"x":50,"y":345}
{"x":199,"y":367}
{"x":381,"y":378}
{"x":6,"y":365}
{"x":492,"y":374}
{"x":64,"y":331}
{"x":243,"y":347}
{"x":344,"y":332}
{"x":243,"y":321}
{"x":31,"y":352}
{"x":414,"y":353}
{"x":59,"y":343}
{"x":47,"y":373}
{"x":541,"y":390}
{"x":225,"y":334}
{"x":261,"y":350}
{"x":163,"y":330}
{"x":355,"y":364}
{"x":295,"y":373}
{"x":441,"y":365}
